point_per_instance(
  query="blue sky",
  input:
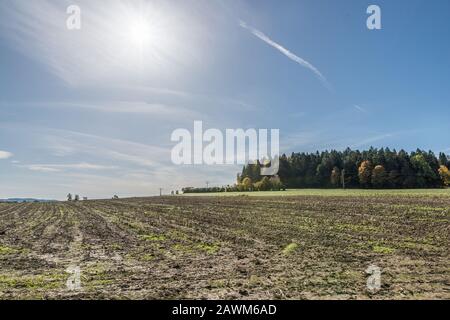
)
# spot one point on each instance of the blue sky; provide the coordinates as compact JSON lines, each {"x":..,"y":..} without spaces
{"x":91,"y":112}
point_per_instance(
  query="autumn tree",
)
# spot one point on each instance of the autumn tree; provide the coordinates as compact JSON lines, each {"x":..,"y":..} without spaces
{"x":263,"y":185}
{"x":247,"y":184}
{"x":365,"y":173}
{"x":335,"y":177}
{"x":444,"y":173}
{"x":275,"y":183}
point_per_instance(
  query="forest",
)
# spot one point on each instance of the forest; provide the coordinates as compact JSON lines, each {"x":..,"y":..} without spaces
{"x":375,"y":168}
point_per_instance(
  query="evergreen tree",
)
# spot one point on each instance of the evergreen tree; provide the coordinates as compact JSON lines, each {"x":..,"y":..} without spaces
{"x":379,"y":177}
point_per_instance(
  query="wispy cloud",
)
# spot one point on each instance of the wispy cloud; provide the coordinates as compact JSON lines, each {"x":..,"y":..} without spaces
{"x":359,"y":108}
{"x":130,"y":107}
{"x":299,"y":114}
{"x":5,"y":155}
{"x":287,"y":53}
{"x":90,"y":148}
{"x":84,"y":144}
{"x":369,"y":140}
{"x":36,"y":167}
{"x":301,"y":140}
{"x":61,"y":167}
{"x":212,"y":100}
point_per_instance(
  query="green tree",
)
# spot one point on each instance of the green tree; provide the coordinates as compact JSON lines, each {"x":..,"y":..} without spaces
{"x":444,"y":160}
{"x":394,"y":179}
{"x":425,"y":175}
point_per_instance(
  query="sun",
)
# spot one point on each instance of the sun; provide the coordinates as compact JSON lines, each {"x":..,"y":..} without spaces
{"x":139,"y":32}
{"x":141,"y":38}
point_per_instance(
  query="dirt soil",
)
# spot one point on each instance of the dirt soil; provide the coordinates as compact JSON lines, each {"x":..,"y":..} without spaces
{"x":307,"y":247}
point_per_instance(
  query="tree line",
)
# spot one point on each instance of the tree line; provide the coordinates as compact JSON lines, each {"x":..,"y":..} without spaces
{"x":374,"y":168}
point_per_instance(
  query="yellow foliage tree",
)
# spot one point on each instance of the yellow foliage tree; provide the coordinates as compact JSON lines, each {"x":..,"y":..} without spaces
{"x":247,"y":183}
{"x":444,"y":173}
{"x":365,"y":173}
{"x":335,"y":176}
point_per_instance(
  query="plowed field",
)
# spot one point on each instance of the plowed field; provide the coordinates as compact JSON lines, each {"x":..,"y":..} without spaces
{"x":293,"y":247}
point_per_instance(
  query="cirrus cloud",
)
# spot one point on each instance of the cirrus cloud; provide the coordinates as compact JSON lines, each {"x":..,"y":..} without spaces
{"x":61,"y":167}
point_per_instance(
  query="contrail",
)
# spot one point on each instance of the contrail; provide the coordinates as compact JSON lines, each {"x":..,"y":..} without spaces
{"x":359,"y":108}
{"x":287,"y":53}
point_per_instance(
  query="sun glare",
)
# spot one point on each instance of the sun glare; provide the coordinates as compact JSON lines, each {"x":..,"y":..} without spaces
{"x":130,"y":39}
{"x":139,"y":33}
